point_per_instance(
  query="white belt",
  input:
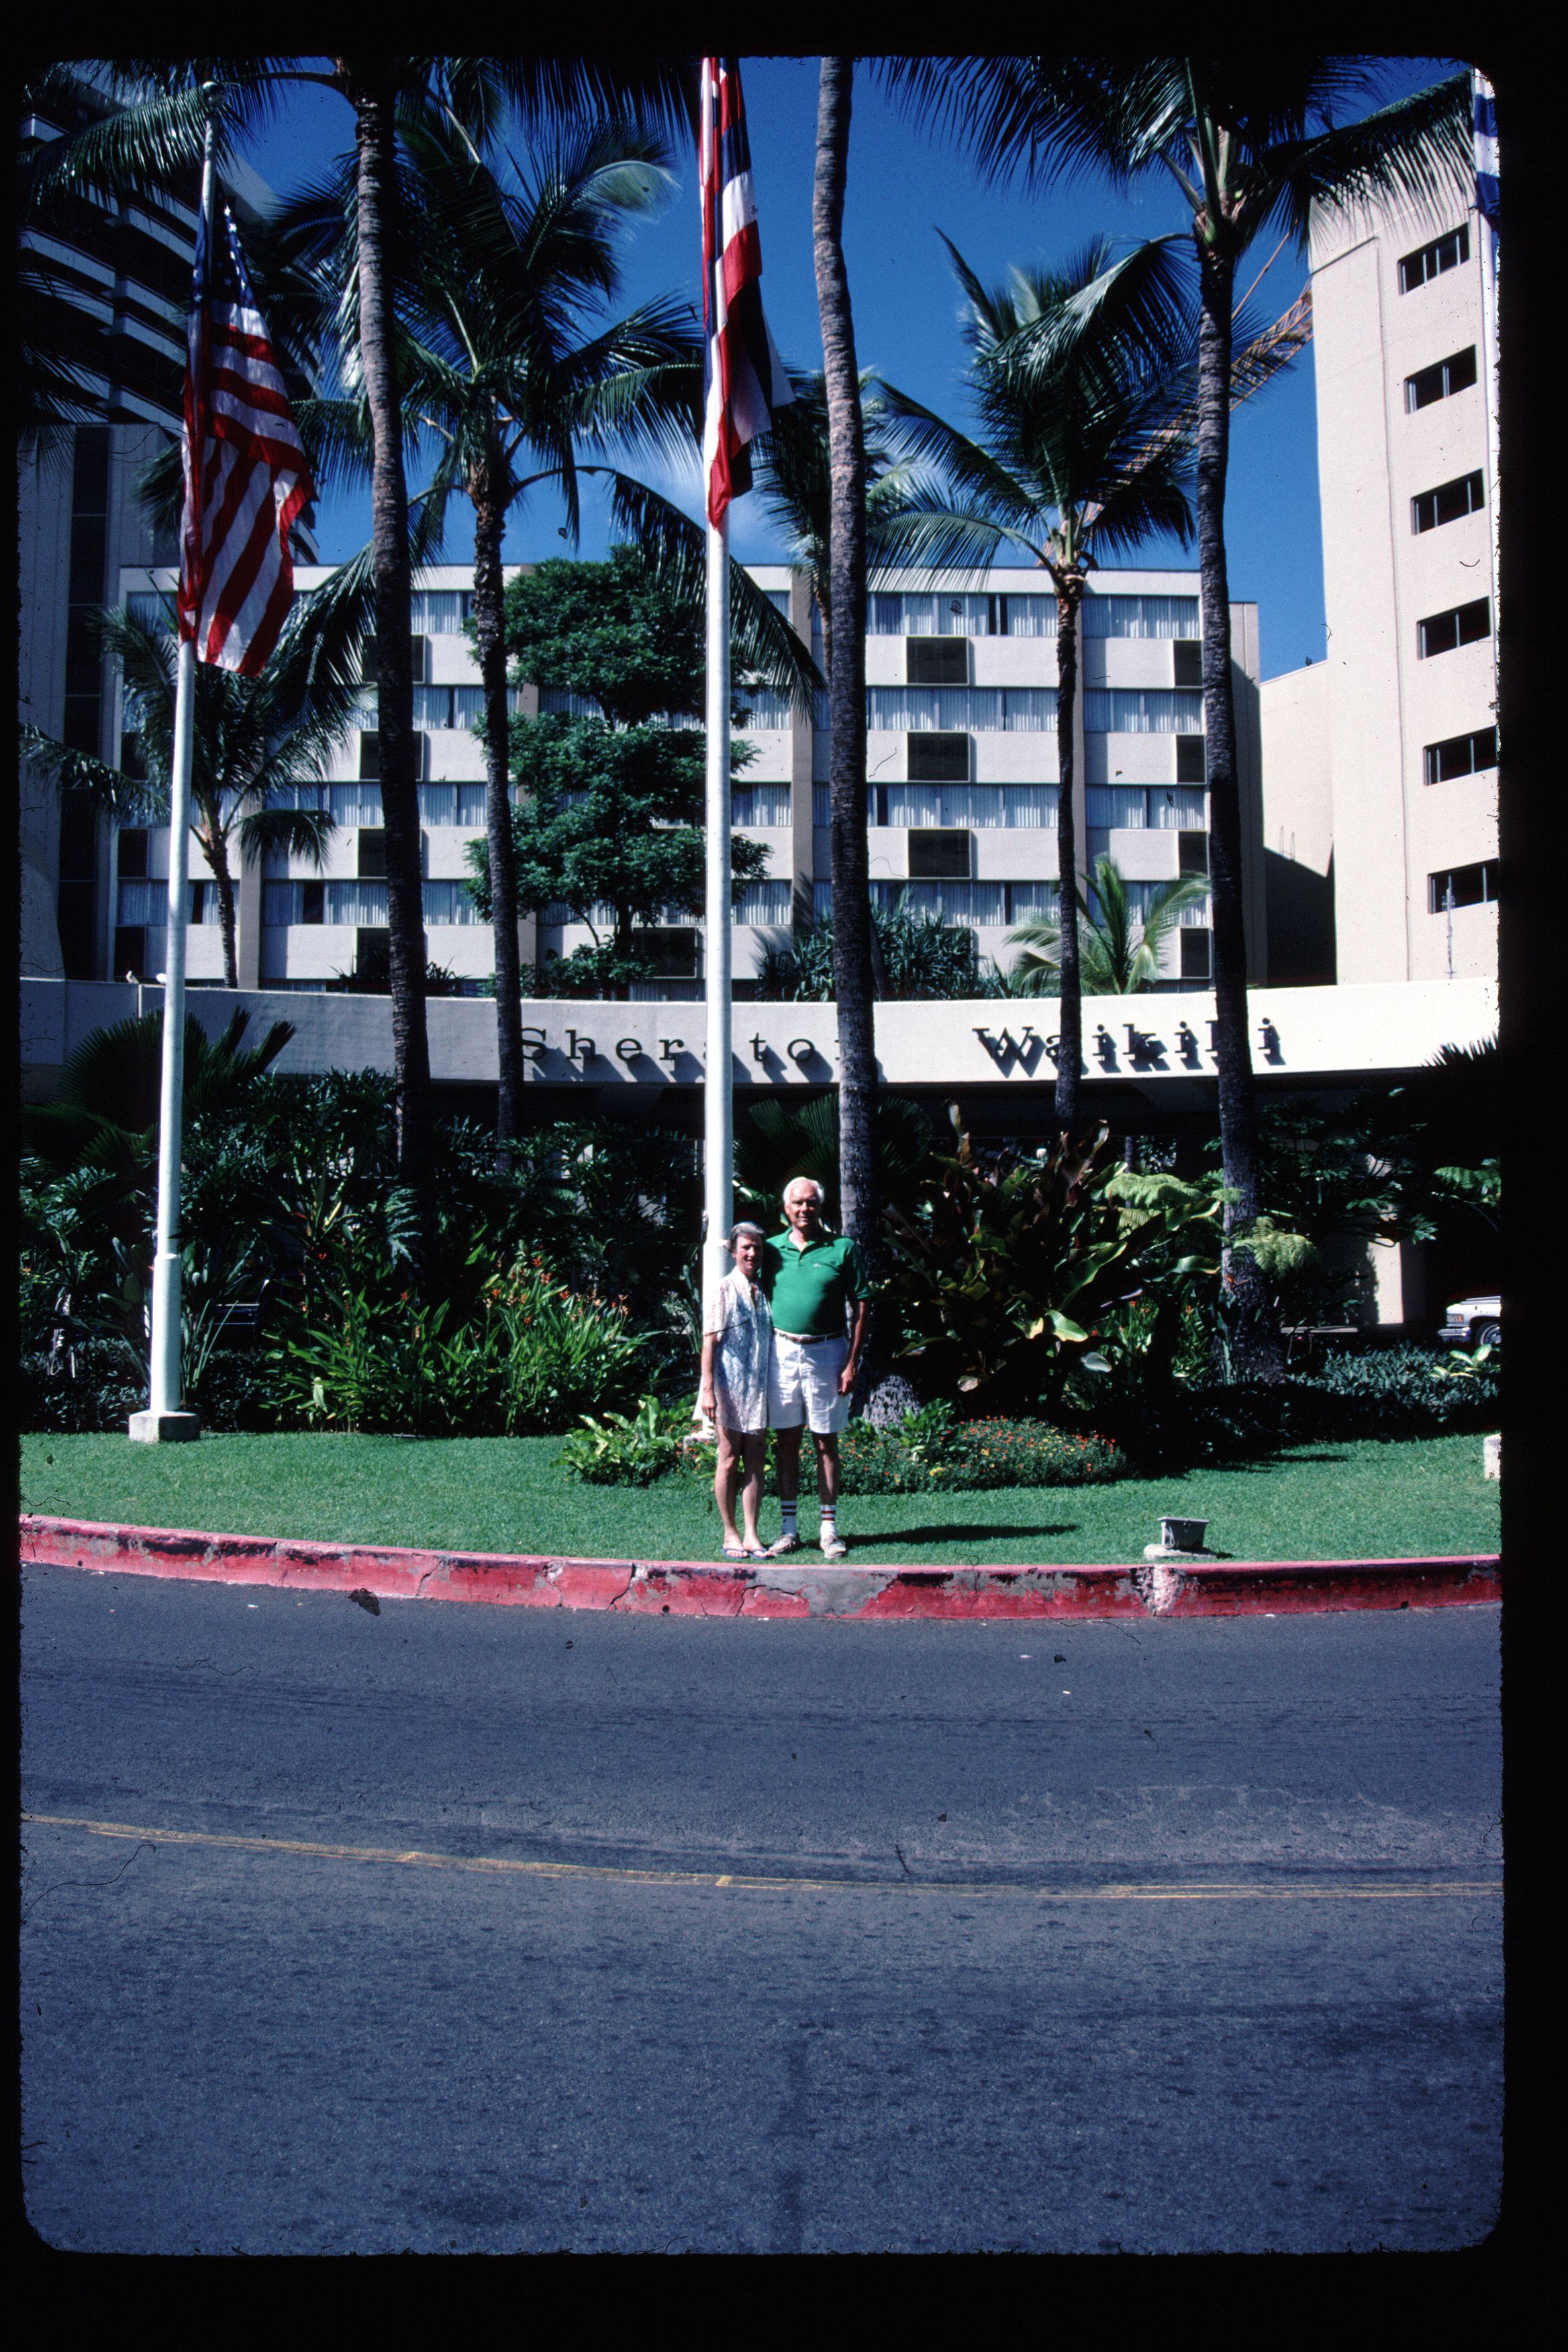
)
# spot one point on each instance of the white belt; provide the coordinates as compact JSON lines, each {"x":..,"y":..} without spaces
{"x":809,"y":1339}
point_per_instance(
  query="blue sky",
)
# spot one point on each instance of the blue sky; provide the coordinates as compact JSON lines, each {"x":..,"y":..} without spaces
{"x":902,"y":187}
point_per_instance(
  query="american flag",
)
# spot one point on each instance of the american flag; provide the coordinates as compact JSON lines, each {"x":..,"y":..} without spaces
{"x":744,"y":378}
{"x":246,"y":473}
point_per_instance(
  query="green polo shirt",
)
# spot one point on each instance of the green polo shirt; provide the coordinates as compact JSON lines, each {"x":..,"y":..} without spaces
{"x":808,"y":1288}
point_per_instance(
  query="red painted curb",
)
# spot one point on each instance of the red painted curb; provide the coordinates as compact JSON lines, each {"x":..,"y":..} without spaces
{"x":788,"y":1588}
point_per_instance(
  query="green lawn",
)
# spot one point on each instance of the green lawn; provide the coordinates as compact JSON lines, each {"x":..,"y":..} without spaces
{"x":499,"y":1495}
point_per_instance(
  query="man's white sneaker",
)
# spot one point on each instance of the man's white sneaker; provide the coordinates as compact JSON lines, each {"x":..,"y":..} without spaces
{"x":834,"y":1547}
{"x":785,"y":1543}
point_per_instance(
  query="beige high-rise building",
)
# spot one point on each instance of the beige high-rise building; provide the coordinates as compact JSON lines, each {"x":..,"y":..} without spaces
{"x":1380,"y":763}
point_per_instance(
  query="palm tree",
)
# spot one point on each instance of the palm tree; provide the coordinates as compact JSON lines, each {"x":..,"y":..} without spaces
{"x":1118,"y":949}
{"x":162,"y":128}
{"x":1253,"y":139}
{"x":846,"y":606}
{"x":502,"y":362}
{"x":1073,"y":372}
{"x":251,"y":736}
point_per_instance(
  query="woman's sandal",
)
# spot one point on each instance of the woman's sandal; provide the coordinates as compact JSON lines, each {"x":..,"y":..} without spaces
{"x":737,"y":1551}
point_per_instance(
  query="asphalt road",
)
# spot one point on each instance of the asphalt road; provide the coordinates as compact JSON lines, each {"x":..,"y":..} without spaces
{"x":1180,"y":1936}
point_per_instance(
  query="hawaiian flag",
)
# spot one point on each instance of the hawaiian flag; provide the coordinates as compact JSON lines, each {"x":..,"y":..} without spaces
{"x":246,"y":473}
{"x":744,"y":377}
{"x":1487,"y":193}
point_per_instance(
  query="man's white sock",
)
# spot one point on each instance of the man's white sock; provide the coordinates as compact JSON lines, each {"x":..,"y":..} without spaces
{"x":830,"y":1521}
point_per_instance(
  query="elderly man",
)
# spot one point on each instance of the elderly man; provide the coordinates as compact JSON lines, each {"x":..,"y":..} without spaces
{"x":813,"y":1279}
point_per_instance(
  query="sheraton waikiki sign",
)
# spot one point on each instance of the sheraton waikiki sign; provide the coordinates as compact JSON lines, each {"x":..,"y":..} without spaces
{"x":1161,"y":1045}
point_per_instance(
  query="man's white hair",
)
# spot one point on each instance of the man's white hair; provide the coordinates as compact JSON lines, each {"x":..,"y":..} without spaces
{"x":796,"y":1182}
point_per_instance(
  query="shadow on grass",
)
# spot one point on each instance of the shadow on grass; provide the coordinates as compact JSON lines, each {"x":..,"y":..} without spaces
{"x":966,"y":1531}
{"x":1257,"y":1464}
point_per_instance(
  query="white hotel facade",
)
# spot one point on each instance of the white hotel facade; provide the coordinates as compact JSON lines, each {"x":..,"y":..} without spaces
{"x":1380,"y":763}
{"x":962,"y":767}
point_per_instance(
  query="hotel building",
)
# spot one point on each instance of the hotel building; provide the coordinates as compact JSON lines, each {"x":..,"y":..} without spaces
{"x":962,"y":765}
{"x":1380,"y":763}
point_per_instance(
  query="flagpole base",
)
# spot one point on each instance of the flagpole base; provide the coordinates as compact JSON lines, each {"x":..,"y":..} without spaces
{"x":164,"y":1428}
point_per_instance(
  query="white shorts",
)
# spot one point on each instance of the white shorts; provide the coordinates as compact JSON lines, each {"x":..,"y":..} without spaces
{"x":803,"y":1385}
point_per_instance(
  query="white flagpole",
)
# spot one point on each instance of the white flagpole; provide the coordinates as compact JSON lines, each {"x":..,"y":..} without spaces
{"x":165,"y":1418}
{"x":719,"y":1090}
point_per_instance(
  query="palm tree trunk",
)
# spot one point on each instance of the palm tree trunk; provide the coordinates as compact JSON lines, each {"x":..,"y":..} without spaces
{"x":1069,"y":1019}
{"x":373,"y":103}
{"x":489,"y":519}
{"x":216,"y":850}
{"x":1255,"y":1339}
{"x":852,"y":974}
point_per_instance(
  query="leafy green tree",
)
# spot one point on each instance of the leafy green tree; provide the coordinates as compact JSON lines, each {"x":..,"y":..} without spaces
{"x":1118,"y":951}
{"x":252,"y":736}
{"x":1254,"y":141}
{"x":613,"y":802}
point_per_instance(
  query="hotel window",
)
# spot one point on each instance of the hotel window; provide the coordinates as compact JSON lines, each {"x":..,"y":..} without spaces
{"x":936,"y":661}
{"x":1440,"y":633}
{"x":992,"y":904}
{"x":448,"y":903}
{"x":937,"y":616}
{"x":1136,"y":808}
{"x":939,"y":758}
{"x":762,"y":902}
{"x":1462,"y":885}
{"x":1194,"y":948}
{"x":939,"y":854}
{"x":1187,"y":662}
{"x":1191,"y":760}
{"x":1140,"y":616}
{"x":1141,"y":711}
{"x":950,"y":902}
{"x":1447,"y":502}
{"x":1460,"y":755}
{"x":439,"y":612}
{"x":452,"y":805}
{"x":1432,"y":260}
{"x":133,"y":855}
{"x":762,"y":710}
{"x":973,"y":710}
{"x":370,"y":757}
{"x":980,"y":807}
{"x":1456,"y":373}
{"x":762,"y":804}
{"x":1141,"y":896}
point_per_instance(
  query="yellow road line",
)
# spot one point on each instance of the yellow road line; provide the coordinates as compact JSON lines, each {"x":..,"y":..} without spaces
{"x":1204,"y":1892}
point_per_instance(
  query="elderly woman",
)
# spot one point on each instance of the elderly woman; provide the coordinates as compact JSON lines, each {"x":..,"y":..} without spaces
{"x":737,"y":1353}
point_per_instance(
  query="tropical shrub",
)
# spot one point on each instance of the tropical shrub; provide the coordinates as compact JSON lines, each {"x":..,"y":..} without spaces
{"x":1395,"y":1393}
{"x":631,"y":1449}
{"x":370,"y":1355}
{"x":1007,"y":1273}
{"x":931,"y":1451}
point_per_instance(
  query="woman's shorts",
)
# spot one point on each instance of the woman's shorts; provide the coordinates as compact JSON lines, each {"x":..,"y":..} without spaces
{"x":803,"y":1386}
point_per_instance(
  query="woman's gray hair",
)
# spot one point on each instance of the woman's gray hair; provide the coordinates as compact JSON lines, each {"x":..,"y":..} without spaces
{"x":815,"y":1187}
{"x":736,"y":1231}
